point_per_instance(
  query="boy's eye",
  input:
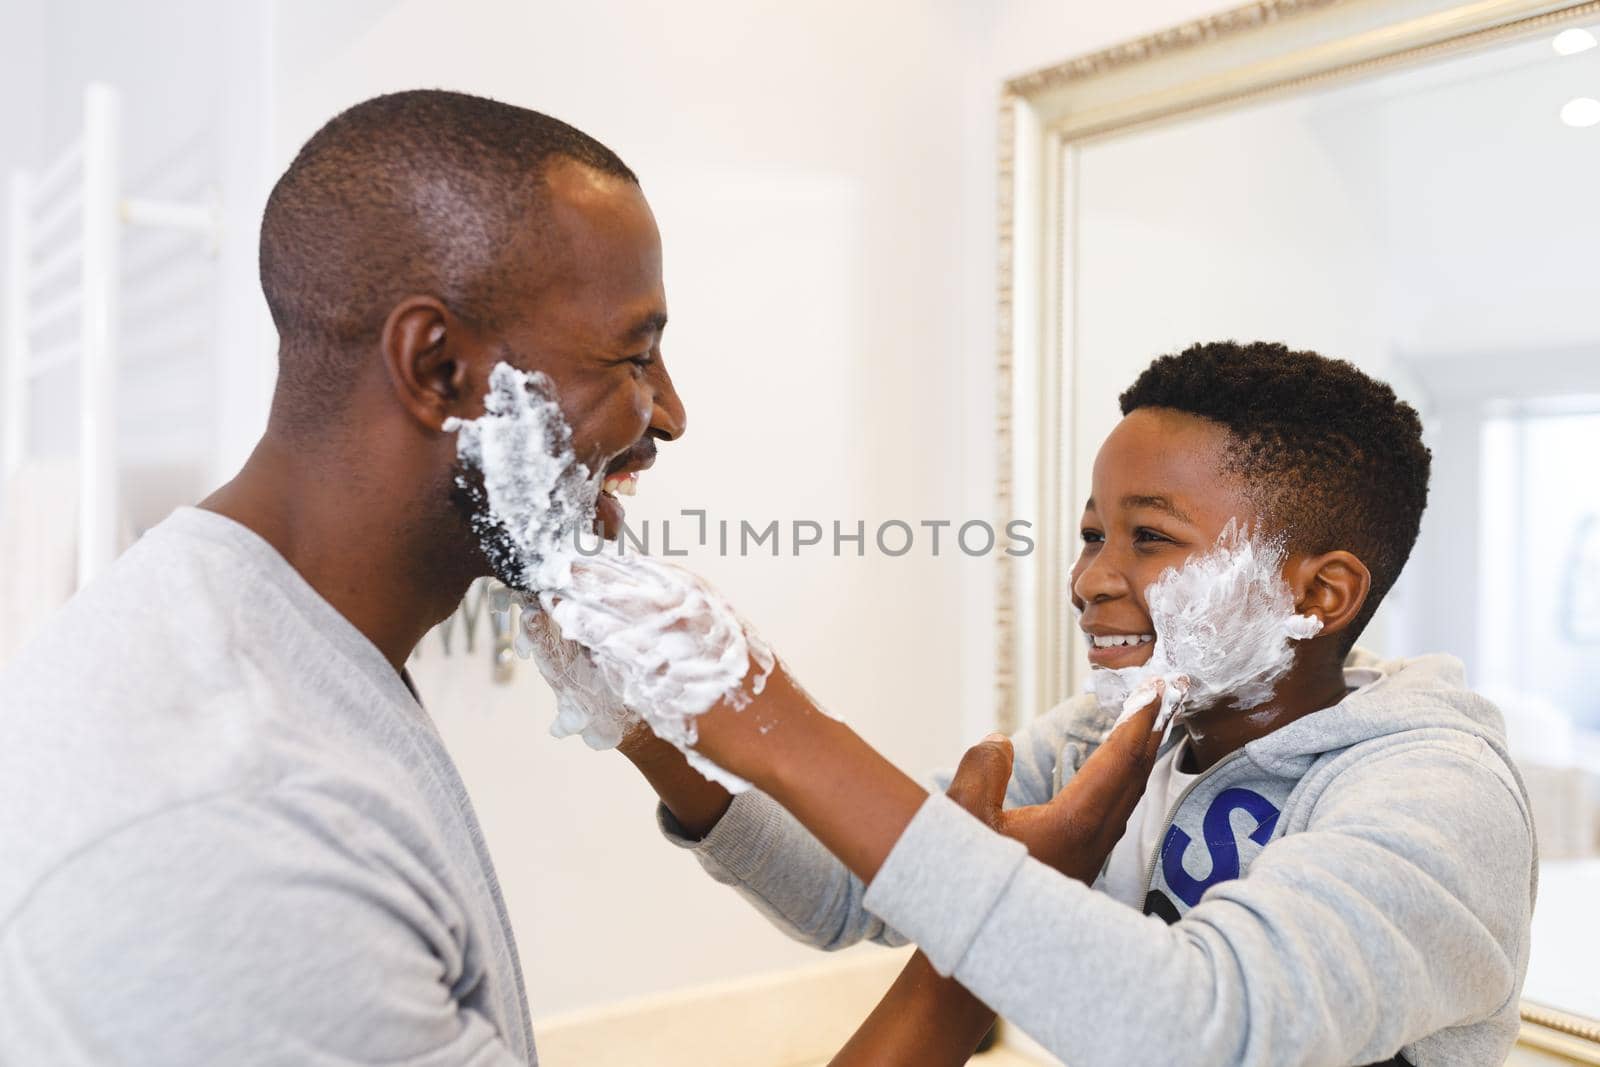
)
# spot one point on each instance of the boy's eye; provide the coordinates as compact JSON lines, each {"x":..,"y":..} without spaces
{"x":1092,"y":537}
{"x":1145,"y":535}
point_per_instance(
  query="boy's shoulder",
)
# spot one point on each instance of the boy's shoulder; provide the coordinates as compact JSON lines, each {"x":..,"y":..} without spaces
{"x":1388,"y":698}
{"x":1078,"y":718}
{"x":1429,"y":688}
{"x":1391,"y":697}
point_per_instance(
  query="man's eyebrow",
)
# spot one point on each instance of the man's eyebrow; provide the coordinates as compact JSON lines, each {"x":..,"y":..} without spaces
{"x":652,"y":324}
{"x":1159,"y":503}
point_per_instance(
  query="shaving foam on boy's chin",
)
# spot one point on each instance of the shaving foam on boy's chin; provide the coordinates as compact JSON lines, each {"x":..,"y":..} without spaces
{"x":633,"y":639}
{"x":1224,"y":623}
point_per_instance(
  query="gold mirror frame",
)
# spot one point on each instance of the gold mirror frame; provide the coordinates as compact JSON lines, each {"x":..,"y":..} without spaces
{"x":1264,"y":49}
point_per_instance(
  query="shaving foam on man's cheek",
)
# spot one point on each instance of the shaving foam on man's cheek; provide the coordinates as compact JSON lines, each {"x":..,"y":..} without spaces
{"x":538,"y":496}
{"x":634,"y":633}
{"x":1224,"y":625}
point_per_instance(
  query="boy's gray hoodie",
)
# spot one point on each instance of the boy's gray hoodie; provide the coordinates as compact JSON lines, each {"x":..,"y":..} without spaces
{"x":1356,"y":884}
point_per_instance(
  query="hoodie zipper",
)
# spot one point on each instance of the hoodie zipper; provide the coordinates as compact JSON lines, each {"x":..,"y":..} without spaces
{"x":1172,"y":815}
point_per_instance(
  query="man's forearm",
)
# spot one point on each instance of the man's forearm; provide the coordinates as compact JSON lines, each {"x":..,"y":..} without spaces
{"x":923,"y":1021}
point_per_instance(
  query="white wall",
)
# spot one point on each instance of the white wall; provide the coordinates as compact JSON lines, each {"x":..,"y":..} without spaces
{"x":191,"y":80}
{"x":21,"y":129}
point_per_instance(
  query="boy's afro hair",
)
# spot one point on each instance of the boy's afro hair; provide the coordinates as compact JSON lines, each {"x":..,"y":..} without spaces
{"x":1330,"y":456}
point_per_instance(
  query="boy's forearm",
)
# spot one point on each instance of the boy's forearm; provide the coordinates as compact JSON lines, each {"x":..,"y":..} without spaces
{"x":923,"y":1021}
{"x":851,"y":799}
{"x":697,"y":804}
{"x":848,"y":796}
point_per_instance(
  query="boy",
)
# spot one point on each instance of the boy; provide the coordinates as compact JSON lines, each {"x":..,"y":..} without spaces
{"x":1343,"y":873}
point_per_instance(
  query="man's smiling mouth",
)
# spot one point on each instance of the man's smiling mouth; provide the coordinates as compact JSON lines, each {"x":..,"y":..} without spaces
{"x":1116,"y":650}
{"x":621,"y":484}
{"x":621,"y":479}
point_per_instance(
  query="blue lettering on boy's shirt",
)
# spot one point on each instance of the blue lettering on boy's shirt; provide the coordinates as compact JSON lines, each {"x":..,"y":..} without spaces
{"x":1219,"y":840}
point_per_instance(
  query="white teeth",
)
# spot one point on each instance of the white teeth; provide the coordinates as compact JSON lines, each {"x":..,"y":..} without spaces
{"x":629,"y":486}
{"x":621,"y":485}
{"x":1116,"y":640}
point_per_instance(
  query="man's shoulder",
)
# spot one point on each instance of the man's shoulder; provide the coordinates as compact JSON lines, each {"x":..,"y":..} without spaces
{"x":190,"y":852}
{"x":200,"y":755}
{"x":164,"y":602}
{"x":259,"y":914}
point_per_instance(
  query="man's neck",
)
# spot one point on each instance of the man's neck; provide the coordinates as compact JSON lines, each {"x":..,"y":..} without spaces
{"x":347,"y":537}
{"x":1219,"y":731}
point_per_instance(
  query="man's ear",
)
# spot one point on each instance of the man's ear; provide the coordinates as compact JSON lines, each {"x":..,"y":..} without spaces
{"x":424,"y":360}
{"x":1332,"y":587}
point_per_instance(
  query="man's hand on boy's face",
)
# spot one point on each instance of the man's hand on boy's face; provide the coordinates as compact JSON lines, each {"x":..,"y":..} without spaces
{"x":1075,"y":831}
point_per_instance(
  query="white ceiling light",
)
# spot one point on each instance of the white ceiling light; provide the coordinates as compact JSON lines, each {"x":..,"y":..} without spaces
{"x":1581,"y":111}
{"x":1571,"y":42}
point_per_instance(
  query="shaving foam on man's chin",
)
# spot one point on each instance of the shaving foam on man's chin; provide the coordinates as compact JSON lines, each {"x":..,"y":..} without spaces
{"x":632,"y":638}
{"x":1225,"y":625}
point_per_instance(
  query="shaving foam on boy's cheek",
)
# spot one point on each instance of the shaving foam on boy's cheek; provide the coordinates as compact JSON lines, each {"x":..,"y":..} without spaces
{"x":634,"y":633}
{"x":1224,"y":624}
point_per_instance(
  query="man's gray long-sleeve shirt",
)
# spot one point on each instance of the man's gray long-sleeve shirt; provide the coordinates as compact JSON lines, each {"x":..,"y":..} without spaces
{"x":230,"y":835}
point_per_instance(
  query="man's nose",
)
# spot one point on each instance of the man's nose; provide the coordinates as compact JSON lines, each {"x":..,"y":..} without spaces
{"x":667,"y":417}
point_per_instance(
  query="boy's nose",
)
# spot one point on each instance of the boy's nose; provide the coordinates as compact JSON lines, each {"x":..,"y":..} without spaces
{"x":1096,"y":580}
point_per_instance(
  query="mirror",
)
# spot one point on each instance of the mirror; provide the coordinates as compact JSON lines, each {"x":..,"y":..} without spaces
{"x":1411,"y":189}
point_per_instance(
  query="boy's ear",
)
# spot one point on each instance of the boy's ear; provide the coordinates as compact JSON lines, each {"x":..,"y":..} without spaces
{"x":1333,"y":587}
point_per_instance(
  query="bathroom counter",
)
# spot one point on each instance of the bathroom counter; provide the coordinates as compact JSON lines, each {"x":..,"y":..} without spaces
{"x":998,"y":1057}
{"x":794,"y":1018}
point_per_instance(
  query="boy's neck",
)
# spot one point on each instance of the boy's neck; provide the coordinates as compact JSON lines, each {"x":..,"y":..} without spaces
{"x":1219,"y":731}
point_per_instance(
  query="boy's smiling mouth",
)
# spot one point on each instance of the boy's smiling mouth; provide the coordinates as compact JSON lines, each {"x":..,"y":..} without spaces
{"x":1116,"y":649}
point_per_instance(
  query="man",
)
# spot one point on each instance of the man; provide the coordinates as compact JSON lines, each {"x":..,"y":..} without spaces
{"x":230,"y":833}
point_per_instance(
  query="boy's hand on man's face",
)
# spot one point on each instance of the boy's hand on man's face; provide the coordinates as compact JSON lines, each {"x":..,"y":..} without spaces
{"x":1075,"y":831}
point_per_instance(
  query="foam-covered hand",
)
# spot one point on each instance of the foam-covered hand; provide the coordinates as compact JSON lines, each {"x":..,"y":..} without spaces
{"x":585,"y":703}
{"x":658,"y":640}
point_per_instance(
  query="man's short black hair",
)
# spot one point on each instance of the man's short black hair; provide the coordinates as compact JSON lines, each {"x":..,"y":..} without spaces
{"x":414,"y":192}
{"x":1330,"y":455}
